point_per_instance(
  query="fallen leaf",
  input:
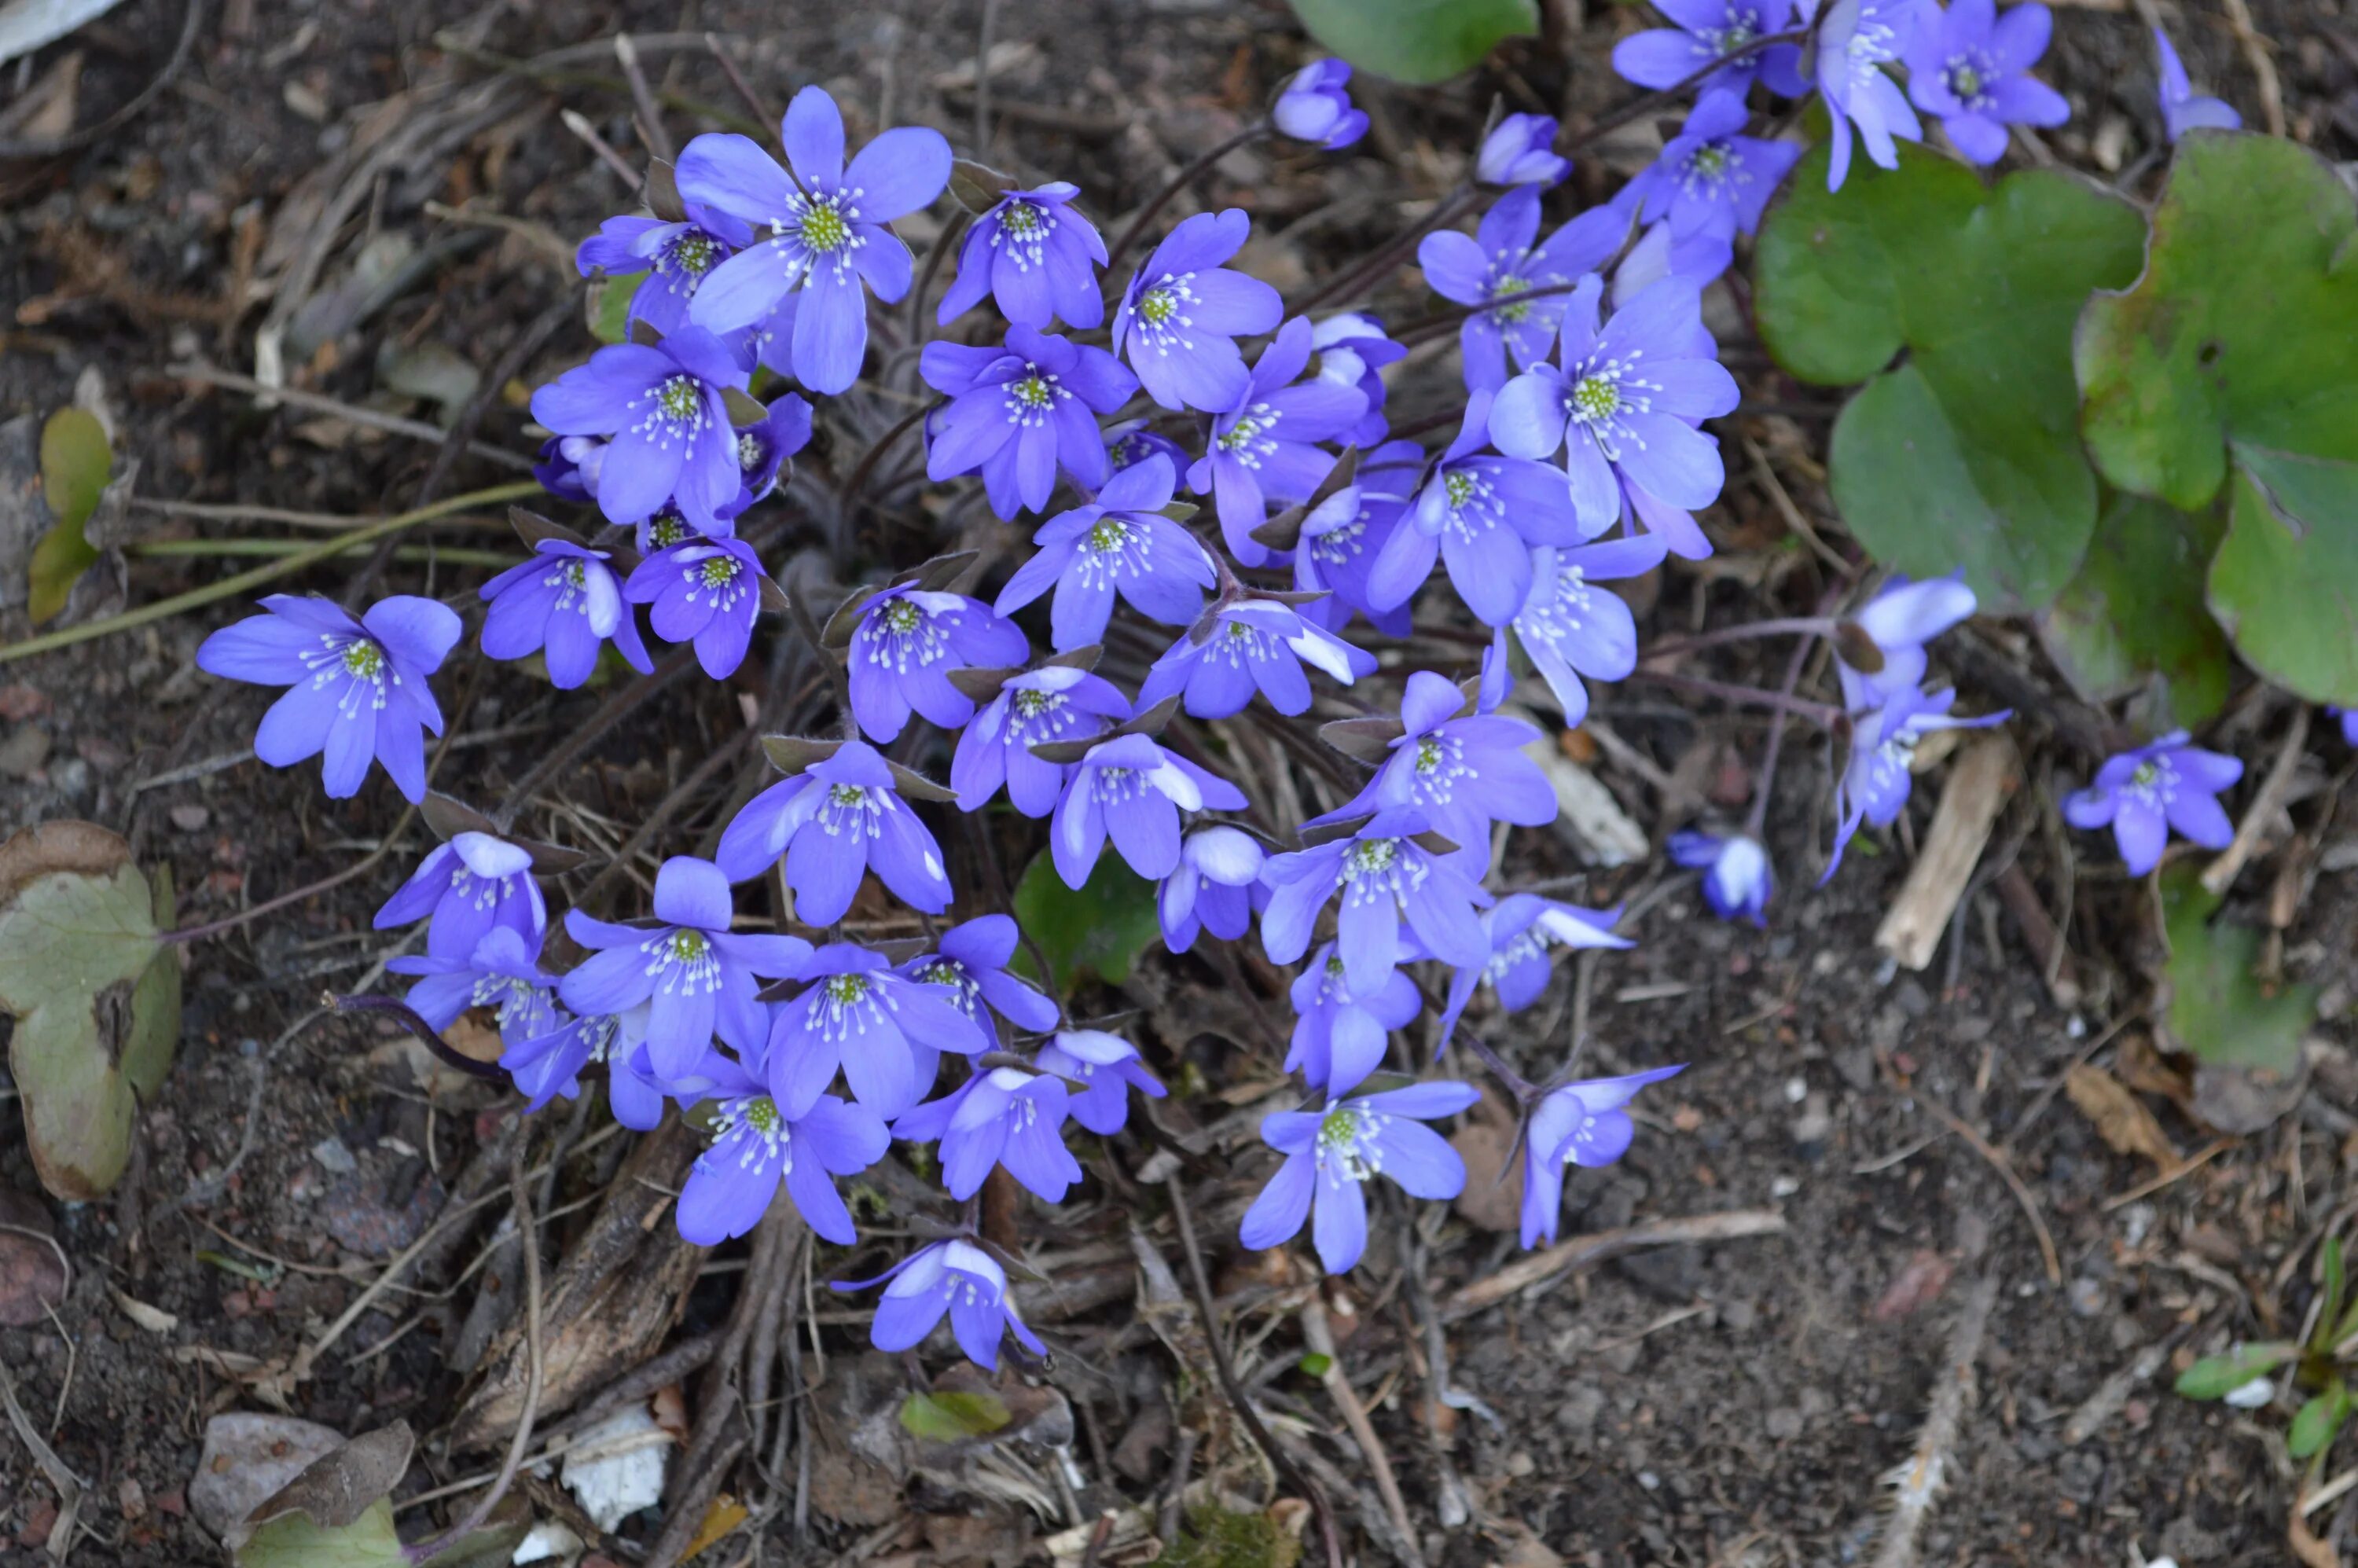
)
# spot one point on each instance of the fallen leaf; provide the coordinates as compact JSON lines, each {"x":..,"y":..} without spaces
{"x":724,"y":1514}
{"x":1487,"y":1143}
{"x":34,"y":1272}
{"x":2121,"y":1121}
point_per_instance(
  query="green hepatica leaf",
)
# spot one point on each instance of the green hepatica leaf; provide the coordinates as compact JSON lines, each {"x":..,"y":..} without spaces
{"x":1416,"y":40}
{"x":953,"y":1416}
{"x":1968,"y":453}
{"x":2286,"y":588}
{"x":294,"y":1542}
{"x":2134,"y":613}
{"x":1101,"y":926}
{"x":95,"y":996}
{"x":74,"y":465}
{"x":2220,"y":1011}
{"x":610,"y":306}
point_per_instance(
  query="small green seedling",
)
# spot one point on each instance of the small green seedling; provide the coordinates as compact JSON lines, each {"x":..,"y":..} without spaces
{"x":2243,"y":1375}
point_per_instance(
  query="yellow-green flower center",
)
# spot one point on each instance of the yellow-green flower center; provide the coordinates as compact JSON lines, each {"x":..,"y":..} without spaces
{"x":365,"y":659}
{"x":1108,"y":535}
{"x":1157,"y":306}
{"x":718,"y":572}
{"x":1371,"y":856}
{"x":941,"y":973}
{"x":761,"y":1116}
{"x":1032,"y":391}
{"x":1596,"y":397}
{"x":689,"y":947}
{"x":692,"y":253}
{"x":1709,"y":162}
{"x":677,"y":398}
{"x":665,"y":529}
{"x":1459,"y":488}
{"x":1507,"y":288}
{"x":902,"y":617}
{"x":2146,"y":772}
{"x":1428,"y":754}
{"x":1021,"y":219}
{"x":1965,"y":81}
{"x":844,"y":989}
{"x":824,"y":230}
{"x":846,"y":795}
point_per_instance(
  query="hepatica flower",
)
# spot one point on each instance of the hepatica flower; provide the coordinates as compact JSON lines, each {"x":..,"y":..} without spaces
{"x":1135,"y":440}
{"x":1248,"y":645}
{"x":1035,"y":256}
{"x":1003,"y":1115}
{"x":1344,"y":536}
{"x":662,"y":405}
{"x":1057,"y":703}
{"x":706,"y":591}
{"x":1016,"y":414}
{"x":1703,"y":30}
{"x":1736,"y":878}
{"x":1583,"y":1124}
{"x":1623,"y":405}
{"x":1108,"y":1067}
{"x":1523,"y":928}
{"x":885,"y":1031}
{"x":1570,"y":627}
{"x":1352,"y":352}
{"x":953,"y":1277}
{"x":1263,"y":443}
{"x":1213,"y":888}
{"x":1464,"y":771}
{"x":1130,"y":789}
{"x":2182,"y":109}
{"x":501,"y":974}
{"x":832,"y":822}
{"x":468,"y":887}
{"x":1340,"y":1033}
{"x":1480,"y":514}
{"x":356,"y":689}
{"x":565,"y":604}
{"x":1118,"y":544}
{"x":970,"y":963}
{"x":671,"y":260}
{"x":820,"y":232}
{"x":756,"y":1145}
{"x":762,"y":449}
{"x":699,"y":975}
{"x":1859,"y":37}
{"x":1497,"y":266}
{"x":1521,"y":150}
{"x":908,"y":640}
{"x":1899,"y":621}
{"x":546,"y":1065}
{"x":1316,"y":108}
{"x":1710,"y":182}
{"x":1330,"y":1154}
{"x":1182,"y":312}
{"x":2349,"y":718}
{"x":2142,"y":794}
{"x":1876,"y":782}
{"x":1383,"y":879}
{"x":1968,"y":65}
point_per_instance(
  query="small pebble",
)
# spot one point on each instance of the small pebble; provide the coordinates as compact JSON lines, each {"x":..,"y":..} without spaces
{"x":1795,"y":1090}
{"x":1520,"y":1463}
{"x":1784,"y":1186}
{"x":191,"y":818}
{"x":334,"y":1157}
{"x":1648,"y":1480}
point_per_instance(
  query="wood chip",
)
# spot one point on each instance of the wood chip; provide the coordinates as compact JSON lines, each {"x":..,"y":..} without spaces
{"x":1987,"y":771}
{"x":2121,"y":1119}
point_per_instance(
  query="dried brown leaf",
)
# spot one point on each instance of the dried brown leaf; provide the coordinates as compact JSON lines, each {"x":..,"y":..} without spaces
{"x":2121,"y":1118}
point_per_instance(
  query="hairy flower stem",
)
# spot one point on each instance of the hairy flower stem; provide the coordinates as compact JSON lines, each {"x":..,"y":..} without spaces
{"x":1177,"y":183}
{"x":402,"y":1013}
{"x":1758,"y":820}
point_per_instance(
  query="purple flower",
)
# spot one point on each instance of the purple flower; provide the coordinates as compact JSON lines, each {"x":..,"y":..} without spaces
{"x":1711,"y":183}
{"x":1340,"y":1034}
{"x":1480,"y":514}
{"x":1570,"y":628}
{"x":1213,"y":888}
{"x":1135,"y":440}
{"x":1860,"y":36}
{"x":825,"y":227}
{"x":1875,"y":782}
{"x":756,"y":1144}
{"x":1624,"y":404}
{"x":1705,"y":30}
{"x":1385,"y":878}
{"x":1579,"y":1123}
{"x":1464,"y":771}
{"x":1053,"y":703}
{"x":468,"y":887}
{"x":662,"y":403}
{"x":2146,"y":792}
{"x":762,"y":450}
{"x":1521,"y":150}
{"x":1262,"y":442}
{"x":1034,"y":255}
{"x":1522,"y":928}
{"x":1109,"y":1066}
{"x":1016,"y":414}
{"x":698,"y":972}
{"x":1316,"y":108}
{"x":705,"y":591}
{"x":2182,"y":109}
{"x":356,"y":689}
{"x":1497,"y":264}
{"x":908,"y":642}
{"x":953,"y":1277}
{"x":1131,"y":789}
{"x":1003,"y":1115}
{"x":833,"y":821}
{"x":1736,"y":878}
{"x":1967,"y":66}
{"x":1248,"y":644}
{"x":1329,"y":1153}
{"x":883,"y":1030}
{"x":1120,"y":543}
{"x":1352,"y":352}
{"x":663,"y":527}
{"x":1344,"y":535}
{"x":1899,"y":621}
{"x":969,"y":962}
{"x":569,"y":466}
{"x":670,"y":259}
{"x":565,"y":604}
{"x":2348,"y":716}
{"x":500,"y":974}
{"x":548,"y":1065}
{"x":1182,"y":311}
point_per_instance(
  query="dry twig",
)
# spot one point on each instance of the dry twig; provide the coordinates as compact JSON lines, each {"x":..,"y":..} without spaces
{"x":1583,"y":1251}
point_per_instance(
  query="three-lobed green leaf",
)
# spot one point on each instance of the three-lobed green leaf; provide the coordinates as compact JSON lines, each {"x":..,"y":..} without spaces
{"x":2134,"y":615}
{"x":2220,"y":1011}
{"x":1416,"y":42}
{"x":1101,"y":926}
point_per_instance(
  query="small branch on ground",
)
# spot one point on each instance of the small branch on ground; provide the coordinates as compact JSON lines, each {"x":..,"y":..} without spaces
{"x":1586,"y":1252}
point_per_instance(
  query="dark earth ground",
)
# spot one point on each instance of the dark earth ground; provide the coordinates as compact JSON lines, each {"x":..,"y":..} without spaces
{"x":1732,"y":1403}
